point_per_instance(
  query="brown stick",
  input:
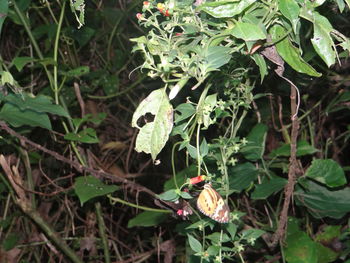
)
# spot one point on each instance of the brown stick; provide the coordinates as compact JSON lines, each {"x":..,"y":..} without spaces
{"x":288,"y":191}
{"x":76,"y":165}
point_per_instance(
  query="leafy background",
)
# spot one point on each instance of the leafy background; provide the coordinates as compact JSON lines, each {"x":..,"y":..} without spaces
{"x":207,"y":88}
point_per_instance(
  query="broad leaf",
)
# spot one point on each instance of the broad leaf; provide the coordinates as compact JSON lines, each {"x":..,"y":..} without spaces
{"x":194,"y":244}
{"x":40,"y":103}
{"x":255,"y":147}
{"x":303,"y":148}
{"x":290,"y":9}
{"x":327,"y":172}
{"x":146,"y":219}
{"x":20,"y":62}
{"x":268,"y":187}
{"x":17,"y":117}
{"x":322,"y":202}
{"x":242,"y":176}
{"x":170,"y":195}
{"x":220,"y":9}
{"x":4,"y":6}
{"x":153,"y":135}
{"x":88,"y":187}
{"x":217,"y":56}
{"x":322,"y":40}
{"x":290,"y":53}
{"x":248,"y":31}
{"x":300,"y":248}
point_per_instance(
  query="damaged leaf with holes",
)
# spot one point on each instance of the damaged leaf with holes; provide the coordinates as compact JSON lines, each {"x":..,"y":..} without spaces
{"x":153,"y":135}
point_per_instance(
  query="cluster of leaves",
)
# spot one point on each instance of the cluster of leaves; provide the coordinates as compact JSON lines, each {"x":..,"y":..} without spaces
{"x":213,"y":52}
{"x":206,"y":44}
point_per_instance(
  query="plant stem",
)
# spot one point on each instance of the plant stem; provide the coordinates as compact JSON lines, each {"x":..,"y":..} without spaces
{"x":102,"y":231}
{"x":55,"y":52}
{"x":116,"y":199}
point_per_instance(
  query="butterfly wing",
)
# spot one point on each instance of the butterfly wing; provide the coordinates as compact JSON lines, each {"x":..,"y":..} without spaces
{"x":213,"y":205}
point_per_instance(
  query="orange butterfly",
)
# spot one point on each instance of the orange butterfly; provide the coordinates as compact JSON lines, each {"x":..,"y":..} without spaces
{"x":213,"y":205}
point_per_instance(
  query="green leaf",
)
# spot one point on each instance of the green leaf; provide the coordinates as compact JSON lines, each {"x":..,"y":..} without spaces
{"x":77,"y":72}
{"x":252,"y":233}
{"x":231,"y":229}
{"x":20,"y":62}
{"x":348,"y":3}
{"x":194,"y":244}
{"x":88,"y":187}
{"x":6,"y":77}
{"x":322,"y":202}
{"x":255,"y":147}
{"x":180,"y":177}
{"x":185,"y":195}
{"x":268,"y":187}
{"x":290,"y":53}
{"x":40,"y":104}
{"x":153,"y":135}
{"x":170,"y":195}
{"x":290,"y":9}
{"x":217,"y":56}
{"x":327,"y":172}
{"x":184,"y":111}
{"x":303,"y":148}
{"x":10,"y":241}
{"x":221,"y":9}
{"x":17,"y":117}
{"x":87,"y":135}
{"x":260,"y":61}
{"x":4,"y":6}
{"x":300,"y":248}
{"x":248,"y":31}
{"x":147,"y":218}
{"x":242,"y":176}
{"x":322,"y":41}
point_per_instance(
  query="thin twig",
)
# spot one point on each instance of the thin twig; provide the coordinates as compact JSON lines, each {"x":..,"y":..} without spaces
{"x":76,"y":165}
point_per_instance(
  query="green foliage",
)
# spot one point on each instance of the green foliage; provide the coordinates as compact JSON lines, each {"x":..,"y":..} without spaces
{"x":68,"y":85}
{"x":88,"y":187}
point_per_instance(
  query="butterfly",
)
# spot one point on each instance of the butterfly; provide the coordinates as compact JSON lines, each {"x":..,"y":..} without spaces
{"x":211,"y":204}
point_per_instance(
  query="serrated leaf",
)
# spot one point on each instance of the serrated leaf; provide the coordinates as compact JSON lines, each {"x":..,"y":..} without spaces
{"x":247,"y":31}
{"x":147,"y":218}
{"x":327,"y":172}
{"x":88,"y":187}
{"x":153,"y":136}
{"x":221,"y":9}
{"x":194,"y":244}
{"x":290,"y":53}
{"x":322,"y":41}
